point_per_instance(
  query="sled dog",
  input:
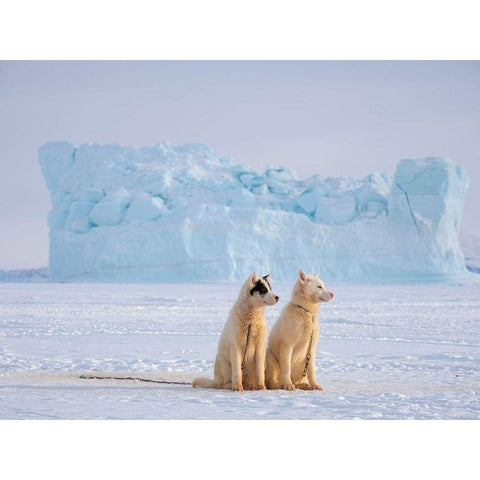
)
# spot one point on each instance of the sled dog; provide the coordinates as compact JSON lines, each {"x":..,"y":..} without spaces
{"x":240,"y":361}
{"x":290,"y":361}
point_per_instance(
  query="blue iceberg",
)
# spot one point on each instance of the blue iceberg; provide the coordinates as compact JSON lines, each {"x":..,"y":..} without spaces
{"x":182,"y":214}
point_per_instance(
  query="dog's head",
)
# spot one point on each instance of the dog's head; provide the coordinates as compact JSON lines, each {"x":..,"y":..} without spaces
{"x":260,"y":292}
{"x":312,"y":288}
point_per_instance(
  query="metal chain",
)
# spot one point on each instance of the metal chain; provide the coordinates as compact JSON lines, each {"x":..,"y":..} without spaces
{"x":137,"y":379}
{"x":309,"y":350}
{"x":309,"y":354}
{"x":246,"y":346}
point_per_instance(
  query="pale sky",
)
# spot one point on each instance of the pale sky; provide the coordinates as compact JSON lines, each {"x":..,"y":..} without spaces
{"x":318,"y":117}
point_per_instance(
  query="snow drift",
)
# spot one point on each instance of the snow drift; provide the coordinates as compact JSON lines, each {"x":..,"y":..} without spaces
{"x":181,"y":213}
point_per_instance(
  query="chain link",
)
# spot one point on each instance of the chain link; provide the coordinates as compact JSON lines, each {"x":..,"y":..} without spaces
{"x":309,"y":354}
{"x":246,"y":346}
{"x":309,"y":350}
{"x":136,"y":379}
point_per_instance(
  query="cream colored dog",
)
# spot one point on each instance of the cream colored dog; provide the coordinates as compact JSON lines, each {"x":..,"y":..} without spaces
{"x":240,"y":363}
{"x":293,"y":340}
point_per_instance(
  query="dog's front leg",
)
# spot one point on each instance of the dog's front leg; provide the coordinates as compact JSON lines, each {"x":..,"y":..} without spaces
{"x":260,"y":354}
{"x":285,"y":362}
{"x":311,"y":372}
{"x":236,"y":360}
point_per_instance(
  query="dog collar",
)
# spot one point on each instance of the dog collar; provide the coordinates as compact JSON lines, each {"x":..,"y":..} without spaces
{"x":305,"y":309}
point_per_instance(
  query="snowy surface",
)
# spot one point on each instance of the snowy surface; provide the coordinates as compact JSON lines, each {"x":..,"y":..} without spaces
{"x":182,"y":214}
{"x":385,"y":352}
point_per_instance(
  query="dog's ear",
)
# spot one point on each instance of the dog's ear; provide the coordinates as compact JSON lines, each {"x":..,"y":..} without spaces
{"x":267,"y":277}
{"x":253,"y":279}
{"x":302,"y":276}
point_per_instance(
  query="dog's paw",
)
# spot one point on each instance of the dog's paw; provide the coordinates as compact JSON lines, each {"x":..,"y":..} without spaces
{"x":259,"y":387}
{"x":303,"y":386}
{"x":288,"y":386}
{"x":237,"y":388}
{"x":274,"y":386}
{"x":317,"y":387}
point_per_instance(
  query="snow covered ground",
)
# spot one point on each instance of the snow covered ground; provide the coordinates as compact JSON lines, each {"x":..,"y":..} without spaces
{"x":385,"y":352}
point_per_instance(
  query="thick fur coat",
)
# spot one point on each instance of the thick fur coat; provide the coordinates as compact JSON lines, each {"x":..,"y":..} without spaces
{"x":254,"y":296}
{"x":288,"y":344}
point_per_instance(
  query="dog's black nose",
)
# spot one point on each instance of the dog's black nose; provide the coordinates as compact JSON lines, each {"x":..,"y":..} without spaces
{"x":277,"y":298}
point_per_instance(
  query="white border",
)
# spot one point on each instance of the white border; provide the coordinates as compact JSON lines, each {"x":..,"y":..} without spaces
{"x":239,"y":449}
{"x":251,"y":29}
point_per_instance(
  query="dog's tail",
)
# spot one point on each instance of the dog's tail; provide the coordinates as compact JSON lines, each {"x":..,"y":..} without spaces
{"x":205,"y":383}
